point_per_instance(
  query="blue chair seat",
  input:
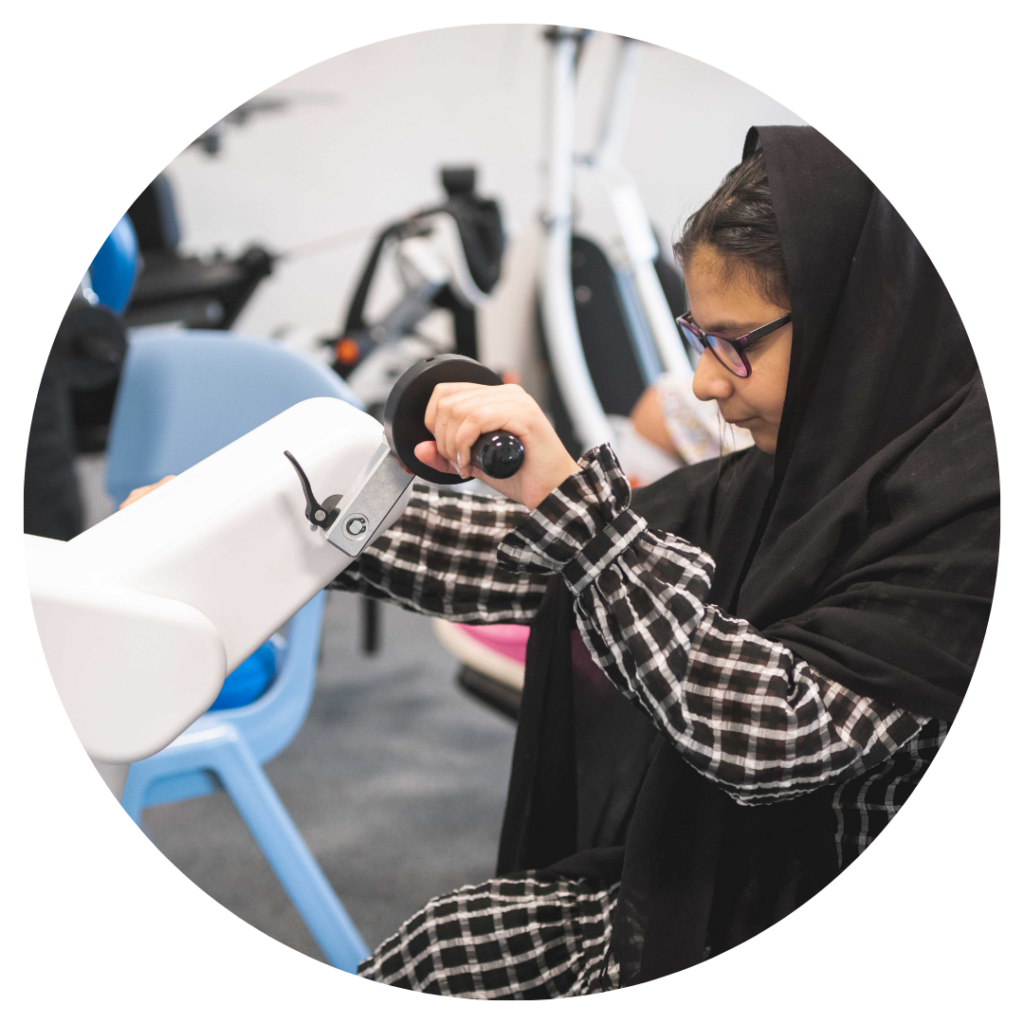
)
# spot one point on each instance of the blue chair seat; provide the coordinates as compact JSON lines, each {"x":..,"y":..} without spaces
{"x":250,"y":680}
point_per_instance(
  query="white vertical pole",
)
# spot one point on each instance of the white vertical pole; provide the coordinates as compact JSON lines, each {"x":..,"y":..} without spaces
{"x":663,"y":323}
{"x":618,"y":103}
{"x":558,"y":311}
{"x":634,"y":224}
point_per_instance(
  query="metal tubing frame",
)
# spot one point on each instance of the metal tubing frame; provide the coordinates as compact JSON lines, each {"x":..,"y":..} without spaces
{"x":618,"y":104}
{"x":633,"y":222}
{"x":558,"y":311}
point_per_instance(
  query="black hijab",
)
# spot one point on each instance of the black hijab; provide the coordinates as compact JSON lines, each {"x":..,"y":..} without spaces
{"x":867,"y":545}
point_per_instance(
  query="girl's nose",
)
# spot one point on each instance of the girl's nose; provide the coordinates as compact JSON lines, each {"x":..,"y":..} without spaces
{"x":711,"y":380}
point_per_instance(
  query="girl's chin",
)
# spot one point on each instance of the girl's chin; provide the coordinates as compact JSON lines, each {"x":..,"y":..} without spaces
{"x":764,"y":437}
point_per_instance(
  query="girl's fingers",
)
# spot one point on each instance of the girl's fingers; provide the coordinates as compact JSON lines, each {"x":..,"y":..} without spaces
{"x":454,"y":404}
{"x":141,"y":492}
{"x":445,"y":410}
{"x":462,"y":426}
{"x":442,"y":391}
{"x":427,"y":453}
{"x":473,"y":425}
{"x":509,"y":413}
{"x":459,"y":413}
{"x":451,"y":410}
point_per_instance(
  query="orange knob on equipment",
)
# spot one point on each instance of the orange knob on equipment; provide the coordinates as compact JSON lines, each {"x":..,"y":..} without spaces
{"x":347,"y":351}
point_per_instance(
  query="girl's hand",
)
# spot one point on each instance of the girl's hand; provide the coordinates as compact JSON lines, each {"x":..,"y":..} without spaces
{"x":458,"y":414}
{"x":140,"y":492}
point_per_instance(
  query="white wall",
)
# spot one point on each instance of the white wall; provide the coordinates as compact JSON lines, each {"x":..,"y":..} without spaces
{"x":379,"y":122}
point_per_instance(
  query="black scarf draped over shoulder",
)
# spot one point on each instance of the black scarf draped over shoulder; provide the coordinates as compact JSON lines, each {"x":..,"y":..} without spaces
{"x":867,"y":545}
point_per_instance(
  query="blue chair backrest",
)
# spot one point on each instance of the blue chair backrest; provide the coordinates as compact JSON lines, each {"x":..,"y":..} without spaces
{"x":186,"y":394}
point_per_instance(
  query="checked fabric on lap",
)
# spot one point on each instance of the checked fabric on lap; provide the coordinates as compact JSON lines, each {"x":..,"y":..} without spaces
{"x":507,"y":938}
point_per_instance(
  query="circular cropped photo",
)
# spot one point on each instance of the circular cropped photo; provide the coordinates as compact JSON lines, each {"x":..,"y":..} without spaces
{"x":512,"y":512}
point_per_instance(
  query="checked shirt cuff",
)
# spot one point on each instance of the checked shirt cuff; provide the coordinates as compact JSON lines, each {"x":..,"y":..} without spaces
{"x":579,"y":528}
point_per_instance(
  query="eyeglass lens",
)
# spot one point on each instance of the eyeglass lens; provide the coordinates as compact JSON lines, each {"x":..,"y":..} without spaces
{"x":727,"y":355}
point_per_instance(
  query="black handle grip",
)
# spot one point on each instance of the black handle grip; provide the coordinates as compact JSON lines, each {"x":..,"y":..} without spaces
{"x":498,"y":453}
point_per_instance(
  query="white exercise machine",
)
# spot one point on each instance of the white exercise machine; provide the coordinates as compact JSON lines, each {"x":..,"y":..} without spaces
{"x":142,"y":616}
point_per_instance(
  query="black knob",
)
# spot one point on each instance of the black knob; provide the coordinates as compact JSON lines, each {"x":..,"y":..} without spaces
{"x":499,"y":454}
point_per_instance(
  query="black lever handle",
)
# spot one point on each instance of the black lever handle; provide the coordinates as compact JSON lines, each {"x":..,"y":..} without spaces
{"x":319,"y":515}
{"x":499,"y":454}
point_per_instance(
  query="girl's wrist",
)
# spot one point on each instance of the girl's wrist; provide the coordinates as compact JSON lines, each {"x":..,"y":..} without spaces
{"x":570,"y":517}
{"x":565,"y":468}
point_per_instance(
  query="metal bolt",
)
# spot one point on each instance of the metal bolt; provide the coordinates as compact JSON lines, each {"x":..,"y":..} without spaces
{"x":355,"y":526}
{"x":319,"y":515}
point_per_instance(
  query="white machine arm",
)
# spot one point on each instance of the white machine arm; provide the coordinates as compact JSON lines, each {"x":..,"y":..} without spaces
{"x":143,"y":615}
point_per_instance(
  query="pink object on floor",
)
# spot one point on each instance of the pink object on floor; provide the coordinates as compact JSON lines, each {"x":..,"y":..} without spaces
{"x":508,"y":641}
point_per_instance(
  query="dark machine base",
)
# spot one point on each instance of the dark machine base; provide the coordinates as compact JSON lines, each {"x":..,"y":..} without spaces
{"x":503,"y":698}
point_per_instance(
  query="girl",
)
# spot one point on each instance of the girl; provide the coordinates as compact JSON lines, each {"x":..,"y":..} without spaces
{"x":737,"y":675}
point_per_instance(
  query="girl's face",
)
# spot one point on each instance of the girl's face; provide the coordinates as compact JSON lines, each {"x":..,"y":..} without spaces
{"x":731,"y":305}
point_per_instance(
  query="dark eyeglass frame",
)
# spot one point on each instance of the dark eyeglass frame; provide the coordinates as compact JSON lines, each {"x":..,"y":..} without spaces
{"x":739,"y":345}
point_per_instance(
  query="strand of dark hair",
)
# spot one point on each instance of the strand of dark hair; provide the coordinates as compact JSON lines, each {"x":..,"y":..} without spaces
{"x":739,"y":224}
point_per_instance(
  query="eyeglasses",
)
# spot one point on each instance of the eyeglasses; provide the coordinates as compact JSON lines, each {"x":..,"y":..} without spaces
{"x":730,"y":352}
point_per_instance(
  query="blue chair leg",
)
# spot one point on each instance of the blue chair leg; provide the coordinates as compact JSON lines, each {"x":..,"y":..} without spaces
{"x":274,"y":831}
{"x":134,"y":793}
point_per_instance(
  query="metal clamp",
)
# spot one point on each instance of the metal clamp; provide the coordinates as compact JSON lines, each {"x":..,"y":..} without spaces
{"x":379,"y":488}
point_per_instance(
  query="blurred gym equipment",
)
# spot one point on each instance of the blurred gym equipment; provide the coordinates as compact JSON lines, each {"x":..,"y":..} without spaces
{"x":447,"y":257}
{"x":187,"y":290}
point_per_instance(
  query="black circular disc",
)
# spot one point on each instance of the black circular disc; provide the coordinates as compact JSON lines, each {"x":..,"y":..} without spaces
{"x":407,"y":405}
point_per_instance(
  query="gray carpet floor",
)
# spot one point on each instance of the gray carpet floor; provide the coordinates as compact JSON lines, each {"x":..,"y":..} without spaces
{"x":397,"y":782}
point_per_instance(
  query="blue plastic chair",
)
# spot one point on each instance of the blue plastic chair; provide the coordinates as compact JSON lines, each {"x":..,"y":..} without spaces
{"x":184,"y":395}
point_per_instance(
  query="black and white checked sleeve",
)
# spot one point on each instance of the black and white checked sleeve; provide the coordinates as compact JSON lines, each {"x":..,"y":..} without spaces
{"x":742,"y":709}
{"x":441,"y":558}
